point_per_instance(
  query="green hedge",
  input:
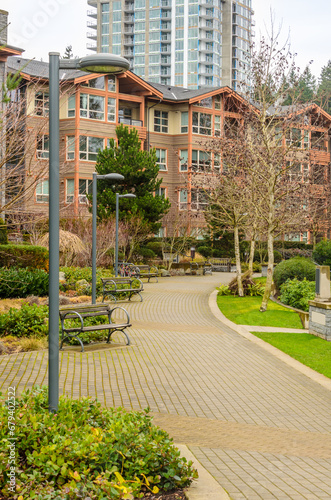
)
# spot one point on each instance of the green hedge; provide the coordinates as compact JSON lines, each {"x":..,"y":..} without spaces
{"x":24,"y":256}
{"x":298,"y":267}
{"x":86,"y":451}
{"x":20,"y":283}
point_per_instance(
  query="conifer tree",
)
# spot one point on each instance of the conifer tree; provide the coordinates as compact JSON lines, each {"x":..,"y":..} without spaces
{"x":324,"y":88}
{"x":140,"y":171}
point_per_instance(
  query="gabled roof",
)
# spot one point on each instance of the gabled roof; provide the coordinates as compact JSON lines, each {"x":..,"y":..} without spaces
{"x":31,"y":68}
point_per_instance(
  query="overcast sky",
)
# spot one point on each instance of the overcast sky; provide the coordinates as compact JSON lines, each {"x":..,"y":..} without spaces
{"x":43,"y":26}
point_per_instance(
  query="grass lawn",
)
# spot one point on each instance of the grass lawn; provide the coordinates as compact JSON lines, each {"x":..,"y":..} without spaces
{"x":308,"y":349}
{"x":245,"y":311}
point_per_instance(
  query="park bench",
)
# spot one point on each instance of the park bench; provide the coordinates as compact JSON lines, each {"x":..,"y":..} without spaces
{"x":80,"y":313}
{"x":222,"y":264}
{"x":145,"y":271}
{"x":112,"y":287}
{"x":127,"y":269}
{"x":207,"y":267}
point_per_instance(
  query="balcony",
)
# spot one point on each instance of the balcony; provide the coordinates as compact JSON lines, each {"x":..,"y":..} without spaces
{"x":92,"y":25}
{"x":206,"y":35}
{"x":128,"y":30}
{"x":130,"y":121}
{"x":91,"y":35}
{"x":91,"y":46}
{"x":165,"y":26}
{"x":92,"y":13}
{"x":165,"y":4}
{"x":128,"y":53}
{"x":92,"y":3}
{"x":129,"y":40}
{"x":165,"y":60}
{"x":165,"y":14}
{"x":129,"y":19}
{"x":166,"y":38}
{"x":129,"y":7}
{"x":166,"y":49}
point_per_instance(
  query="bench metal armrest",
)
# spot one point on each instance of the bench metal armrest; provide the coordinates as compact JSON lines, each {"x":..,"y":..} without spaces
{"x":114,"y":309}
{"x":63,"y":317}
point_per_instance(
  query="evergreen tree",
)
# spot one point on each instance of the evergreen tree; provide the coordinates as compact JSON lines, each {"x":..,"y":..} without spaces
{"x":324,"y":88}
{"x":301,"y":88}
{"x":68,"y":54}
{"x":140,"y":172}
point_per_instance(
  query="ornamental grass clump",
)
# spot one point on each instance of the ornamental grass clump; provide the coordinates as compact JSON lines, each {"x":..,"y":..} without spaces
{"x":87,"y":451}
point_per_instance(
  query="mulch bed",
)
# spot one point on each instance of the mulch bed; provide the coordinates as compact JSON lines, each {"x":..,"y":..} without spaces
{"x":170,"y":495}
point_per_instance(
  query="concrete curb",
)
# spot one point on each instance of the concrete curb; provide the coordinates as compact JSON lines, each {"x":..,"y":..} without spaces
{"x":244,"y":332}
{"x":206,"y":487}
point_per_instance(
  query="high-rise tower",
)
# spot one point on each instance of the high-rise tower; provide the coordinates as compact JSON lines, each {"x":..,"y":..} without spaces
{"x":189,"y":43}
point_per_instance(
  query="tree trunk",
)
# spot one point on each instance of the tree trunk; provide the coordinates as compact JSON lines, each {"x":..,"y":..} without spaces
{"x":251,"y":254}
{"x":238,"y":264}
{"x":270,"y":271}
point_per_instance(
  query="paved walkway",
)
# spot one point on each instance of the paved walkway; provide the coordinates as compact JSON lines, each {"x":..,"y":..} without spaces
{"x":258,"y":425}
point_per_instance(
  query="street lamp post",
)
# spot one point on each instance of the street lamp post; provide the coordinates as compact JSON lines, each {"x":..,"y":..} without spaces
{"x":97,"y":63}
{"x":94,"y":226}
{"x":118,"y":196}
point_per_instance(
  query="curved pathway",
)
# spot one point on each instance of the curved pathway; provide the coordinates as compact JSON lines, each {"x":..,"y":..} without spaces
{"x":259,"y":426}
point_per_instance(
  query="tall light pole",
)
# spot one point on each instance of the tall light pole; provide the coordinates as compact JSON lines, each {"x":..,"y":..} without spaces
{"x":117,"y":177}
{"x":118,"y":196}
{"x":97,"y":63}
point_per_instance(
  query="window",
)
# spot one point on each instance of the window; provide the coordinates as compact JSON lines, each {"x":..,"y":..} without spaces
{"x":184,"y":122}
{"x":161,"y":155}
{"x":71,"y":106}
{"x":218,"y":101}
{"x":111,"y":114}
{"x":183,"y":157}
{"x":111,"y":83}
{"x":161,"y":121}
{"x":182,"y":199}
{"x":318,"y":174}
{"x":293,"y":137}
{"x":70,"y":147}
{"x":201,"y":123}
{"x":217,"y":125}
{"x":84,"y":186}
{"x":42,"y":192}
{"x":96,"y":83}
{"x":305,"y":140}
{"x":89,"y":147}
{"x":92,"y":106}
{"x":41,"y":104}
{"x":199,"y":199}
{"x":200,"y":161}
{"x":217,"y":162}
{"x":43,"y":146}
{"x":70,"y":190}
{"x":161,"y":192}
{"x":205,"y":103}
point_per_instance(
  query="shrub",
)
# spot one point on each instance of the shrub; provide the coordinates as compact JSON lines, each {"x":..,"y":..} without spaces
{"x":295,"y":252}
{"x":223,"y":290}
{"x":3,"y":233}
{"x":25,"y":322}
{"x":23,"y":282}
{"x":87,"y":451}
{"x":298,"y":267}
{"x":322,"y":253}
{"x":146,"y":253}
{"x":74,"y":274}
{"x":297,"y":293}
{"x":33,"y":257}
{"x":157,"y":247}
{"x":205,"y":251}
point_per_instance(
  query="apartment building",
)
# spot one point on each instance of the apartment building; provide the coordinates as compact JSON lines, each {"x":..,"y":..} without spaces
{"x":188,"y":43}
{"x":173,"y":120}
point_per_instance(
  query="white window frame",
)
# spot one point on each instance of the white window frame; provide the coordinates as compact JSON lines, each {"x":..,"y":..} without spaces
{"x":88,"y":112}
{"x":111,"y":110}
{"x":182,"y":199}
{"x":42,"y":149}
{"x":42,"y":191}
{"x":70,"y":147}
{"x":161,"y":121}
{"x":89,"y":154}
{"x":201,"y":128}
{"x":162,"y":154}
{"x":183,"y":160}
{"x":41,"y":103}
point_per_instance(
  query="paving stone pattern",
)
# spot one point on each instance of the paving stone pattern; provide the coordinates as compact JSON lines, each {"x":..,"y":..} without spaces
{"x":261,"y":428}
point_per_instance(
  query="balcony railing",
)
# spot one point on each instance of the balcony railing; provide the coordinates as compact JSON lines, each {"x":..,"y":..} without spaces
{"x":130,"y":121}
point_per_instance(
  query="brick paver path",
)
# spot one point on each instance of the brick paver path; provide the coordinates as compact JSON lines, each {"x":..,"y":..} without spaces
{"x":259,"y":426}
